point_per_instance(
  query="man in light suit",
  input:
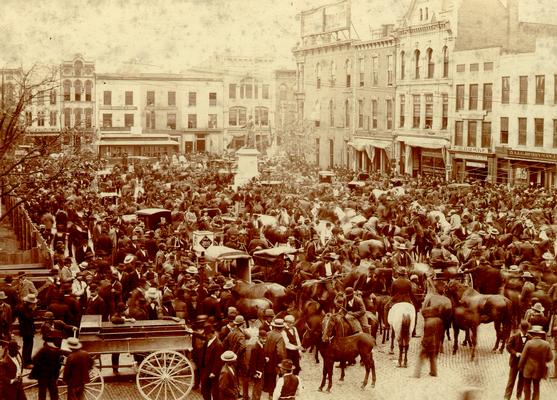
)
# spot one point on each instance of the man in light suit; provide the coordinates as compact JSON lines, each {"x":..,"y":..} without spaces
{"x":533,"y":362}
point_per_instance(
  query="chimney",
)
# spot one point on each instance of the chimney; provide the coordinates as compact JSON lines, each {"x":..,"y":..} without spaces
{"x":512,"y":23}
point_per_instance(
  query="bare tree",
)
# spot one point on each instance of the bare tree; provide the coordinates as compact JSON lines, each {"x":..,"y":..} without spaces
{"x":25,"y":162}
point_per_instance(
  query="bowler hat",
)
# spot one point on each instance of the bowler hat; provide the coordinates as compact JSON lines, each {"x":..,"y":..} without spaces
{"x":349,"y":291}
{"x":286,"y":364}
{"x":213,"y":287}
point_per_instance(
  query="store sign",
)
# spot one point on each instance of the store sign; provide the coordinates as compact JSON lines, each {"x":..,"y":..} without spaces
{"x":326,"y":19}
{"x":467,"y":149}
{"x":470,"y":156}
{"x":532,"y":155}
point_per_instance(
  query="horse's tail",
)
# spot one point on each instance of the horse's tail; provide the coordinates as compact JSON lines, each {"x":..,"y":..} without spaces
{"x":404,"y":336}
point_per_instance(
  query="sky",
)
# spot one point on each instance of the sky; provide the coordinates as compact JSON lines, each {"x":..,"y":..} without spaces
{"x":172,"y":35}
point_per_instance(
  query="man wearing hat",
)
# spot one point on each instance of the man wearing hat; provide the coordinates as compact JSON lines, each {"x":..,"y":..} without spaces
{"x":515,"y":345}
{"x":236,"y":342}
{"x":288,"y":384}
{"x":6,"y":317}
{"x":11,"y":369}
{"x":228,"y":378}
{"x":292,"y":342}
{"x":325,"y":271}
{"x":95,"y":303}
{"x":257,"y":363}
{"x":265,"y":320}
{"x":211,"y":363}
{"x":533,"y":362}
{"x":211,"y":304}
{"x":535,"y":315}
{"x":27,"y":326}
{"x":226,"y":296}
{"x":25,"y":286}
{"x":47,"y":363}
{"x":275,"y":350}
{"x":231,"y":314}
{"x":356,"y":308}
{"x":76,"y":370}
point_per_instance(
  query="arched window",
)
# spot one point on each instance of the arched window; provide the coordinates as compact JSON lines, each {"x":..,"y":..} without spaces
{"x":331,"y":113}
{"x":417,"y":64}
{"x":426,"y":13}
{"x":67,"y":90}
{"x":347,"y":114}
{"x":445,"y":62}
{"x":282,"y":92}
{"x":421,"y":14}
{"x":78,"y":67}
{"x":430,"y":63}
{"x":88,"y":90}
{"x":402,"y":65}
{"x":77,"y":90}
{"x":348,"y":71}
{"x":318,"y":75}
{"x":333,"y":73}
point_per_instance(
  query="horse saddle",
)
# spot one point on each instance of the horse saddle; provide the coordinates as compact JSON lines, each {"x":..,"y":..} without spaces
{"x":355,"y":325}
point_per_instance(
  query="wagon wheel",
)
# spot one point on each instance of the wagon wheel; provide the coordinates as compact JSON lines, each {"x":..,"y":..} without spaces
{"x":165,"y":375}
{"x":93,"y":389}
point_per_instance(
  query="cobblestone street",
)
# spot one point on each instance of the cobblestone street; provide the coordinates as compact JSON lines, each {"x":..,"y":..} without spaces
{"x":488,"y":373}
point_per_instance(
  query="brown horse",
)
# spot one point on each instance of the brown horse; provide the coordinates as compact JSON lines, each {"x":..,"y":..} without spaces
{"x":483,"y":309}
{"x":337,"y":346}
{"x":440,"y":306}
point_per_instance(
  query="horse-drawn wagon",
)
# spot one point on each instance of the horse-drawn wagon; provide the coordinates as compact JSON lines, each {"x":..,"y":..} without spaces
{"x":229,"y":262}
{"x":275,"y":264}
{"x":160,"y":350}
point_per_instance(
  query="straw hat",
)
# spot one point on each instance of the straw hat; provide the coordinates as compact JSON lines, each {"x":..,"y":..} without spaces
{"x":3,"y":295}
{"x":30,"y":298}
{"x":151,"y":293}
{"x":228,"y":356}
{"x":74,"y":343}
{"x":278,"y":323}
{"x":537,"y":330}
{"x":538,"y":307}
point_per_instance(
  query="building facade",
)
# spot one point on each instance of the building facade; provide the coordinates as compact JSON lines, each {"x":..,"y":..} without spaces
{"x":285,"y":106}
{"x":158,"y":114}
{"x":77,"y":102}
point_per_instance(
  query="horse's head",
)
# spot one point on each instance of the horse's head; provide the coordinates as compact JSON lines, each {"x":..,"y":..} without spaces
{"x":327,"y":327}
{"x":311,"y":331}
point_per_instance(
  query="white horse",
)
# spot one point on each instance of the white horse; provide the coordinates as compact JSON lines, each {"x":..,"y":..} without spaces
{"x":401,"y":319}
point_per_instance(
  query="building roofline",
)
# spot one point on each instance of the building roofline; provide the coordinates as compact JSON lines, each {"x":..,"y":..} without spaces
{"x":155,"y":77}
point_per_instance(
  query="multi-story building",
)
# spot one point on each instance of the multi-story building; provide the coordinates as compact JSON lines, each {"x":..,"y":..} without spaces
{"x":77,"y":102}
{"x":525,"y":105}
{"x":425,"y":41}
{"x":374,"y":101}
{"x":10,"y":86}
{"x":157,"y":114}
{"x":249,"y":97}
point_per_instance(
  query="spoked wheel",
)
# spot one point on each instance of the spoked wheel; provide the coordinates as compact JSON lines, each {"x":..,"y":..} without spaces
{"x":165,"y":375}
{"x":93,"y":389}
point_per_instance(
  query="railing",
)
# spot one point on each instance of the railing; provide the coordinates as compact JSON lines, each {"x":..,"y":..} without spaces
{"x":26,"y":232}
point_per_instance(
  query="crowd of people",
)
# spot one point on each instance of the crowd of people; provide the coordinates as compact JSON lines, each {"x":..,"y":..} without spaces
{"x":106,"y":262}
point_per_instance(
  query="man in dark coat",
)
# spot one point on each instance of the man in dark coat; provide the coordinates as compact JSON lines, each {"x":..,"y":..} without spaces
{"x":96,"y":304}
{"x":76,"y":370}
{"x":27,"y":326}
{"x":433,"y":332}
{"x":401,"y":288}
{"x":210,"y":304}
{"x":236,"y":342}
{"x":46,"y":369}
{"x":257,"y":363}
{"x":6,"y":317}
{"x":533,"y":362}
{"x":355,"y":308}
{"x":275,"y":350}
{"x":211,"y":364}
{"x":515,"y":345}
{"x":228,"y":379}
{"x":11,"y":367}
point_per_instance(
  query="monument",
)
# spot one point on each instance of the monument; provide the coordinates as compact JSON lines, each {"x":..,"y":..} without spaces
{"x":248,"y":167}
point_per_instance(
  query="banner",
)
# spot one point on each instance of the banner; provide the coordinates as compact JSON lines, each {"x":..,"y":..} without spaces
{"x":326,"y":19}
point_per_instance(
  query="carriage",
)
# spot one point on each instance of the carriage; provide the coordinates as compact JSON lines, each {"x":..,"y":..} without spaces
{"x":271,"y":264}
{"x":153,"y":217}
{"x":230,"y":262}
{"x":160,"y":349}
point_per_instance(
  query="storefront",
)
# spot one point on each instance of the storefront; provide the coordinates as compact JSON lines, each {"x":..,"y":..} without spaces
{"x":422,"y":155}
{"x":472,"y":163}
{"x":523,"y":167}
{"x":143,"y":145}
{"x":371,"y":154}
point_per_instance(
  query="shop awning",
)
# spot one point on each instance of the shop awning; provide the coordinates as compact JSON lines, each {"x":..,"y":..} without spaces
{"x":426,"y":142}
{"x":361,"y":143}
{"x":139,"y":143}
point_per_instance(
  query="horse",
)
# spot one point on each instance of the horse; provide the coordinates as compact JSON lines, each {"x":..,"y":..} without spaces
{"x":253,"y":308}
{"x":279,"y":296}
{"x":401,"y":317}
{"x":372,"y":248}
{"x":484,"y":309}
{"x":381,"y":301}
{"x":339,"y":347}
